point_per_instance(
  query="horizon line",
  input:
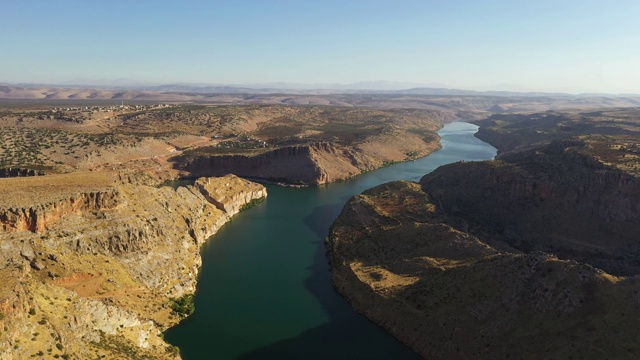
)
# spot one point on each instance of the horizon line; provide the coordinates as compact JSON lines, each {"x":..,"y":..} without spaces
{"x":299,"y":86}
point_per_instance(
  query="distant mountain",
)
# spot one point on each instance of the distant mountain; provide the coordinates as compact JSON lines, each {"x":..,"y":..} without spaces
{"x":327,"y":89}
{"x":363,"y":87}
{"x":107,"y":83}
{"x":458,"y":92}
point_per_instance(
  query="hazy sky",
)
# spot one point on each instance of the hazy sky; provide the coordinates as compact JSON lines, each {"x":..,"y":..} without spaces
{"x":572,"y":45}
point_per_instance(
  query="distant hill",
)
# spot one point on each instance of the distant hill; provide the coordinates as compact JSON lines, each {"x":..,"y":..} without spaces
{"x":370,"y":87}
{"x":465,"y":104}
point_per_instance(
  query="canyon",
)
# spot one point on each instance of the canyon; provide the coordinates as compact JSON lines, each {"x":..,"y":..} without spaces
{"x":100,"y":259}
{"x":314,"y":164}
{"x":532,"y":255}
{"x":90,"y":268}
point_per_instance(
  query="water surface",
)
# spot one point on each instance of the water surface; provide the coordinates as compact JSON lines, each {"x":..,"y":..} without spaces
{"x":264,"y":290}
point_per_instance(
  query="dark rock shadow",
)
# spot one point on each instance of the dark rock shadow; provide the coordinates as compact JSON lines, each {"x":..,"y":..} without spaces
{"x":322,"y":217}
{"x":347,"y":334}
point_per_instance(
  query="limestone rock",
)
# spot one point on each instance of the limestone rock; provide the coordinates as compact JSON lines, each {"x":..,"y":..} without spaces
{"x":521,"y":258}
{"x":28,"y":253}
{"x":115,"y":253}
{"x":229,"y":193}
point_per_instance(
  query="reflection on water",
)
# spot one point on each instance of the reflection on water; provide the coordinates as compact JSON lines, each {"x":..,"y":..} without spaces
{"x":264,"y":290}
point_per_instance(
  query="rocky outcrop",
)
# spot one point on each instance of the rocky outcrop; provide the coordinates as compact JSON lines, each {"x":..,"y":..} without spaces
{"x":554,"y":199}
{"x":293,"y":164}
{"x":19,"y":172}
{"x":100,"y":275}
{"x":231,"y":194}
{"x":518,"y":258}
{"x":313,"y":164}
{"x":39,"y":216}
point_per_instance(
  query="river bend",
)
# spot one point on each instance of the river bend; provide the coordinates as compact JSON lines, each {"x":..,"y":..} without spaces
{"x":264,"y":290}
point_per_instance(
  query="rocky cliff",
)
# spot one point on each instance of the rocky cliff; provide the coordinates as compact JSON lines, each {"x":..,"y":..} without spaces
{"x":312,"y":164}
{"x":555,"y":199}
{"x":533,"y":256}
{"x":232,"y":194}
{"x":93,"y":273}
{"x":37,"y":217}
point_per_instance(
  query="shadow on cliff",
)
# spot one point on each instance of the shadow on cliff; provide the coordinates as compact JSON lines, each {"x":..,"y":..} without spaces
{"x":347,"y":335}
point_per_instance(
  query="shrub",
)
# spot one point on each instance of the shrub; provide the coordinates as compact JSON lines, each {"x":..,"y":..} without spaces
{"x":183,"y":305}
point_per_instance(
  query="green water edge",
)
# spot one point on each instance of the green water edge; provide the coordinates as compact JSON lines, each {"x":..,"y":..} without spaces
{"x":264,"y":290}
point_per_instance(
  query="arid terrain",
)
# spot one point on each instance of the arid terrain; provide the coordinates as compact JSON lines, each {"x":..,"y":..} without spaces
{"x":258,"y":141}
{"x":94,"y":265}
{"x":130,"y":134}
{"x":417,"y":98}
{"x":533,"y":255}
{"x":90,"y":236}
{"x":98,"y":258}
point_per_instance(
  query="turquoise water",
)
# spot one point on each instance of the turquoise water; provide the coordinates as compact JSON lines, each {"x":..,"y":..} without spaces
{"x":264,"y":290}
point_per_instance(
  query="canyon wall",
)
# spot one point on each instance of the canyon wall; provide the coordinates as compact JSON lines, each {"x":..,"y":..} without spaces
{"x":292,"y":164}
{"x":93,"y":274}
{"x":313,"y":164}
{"x":37,"y":217}
{"x":532,"y":256}
{"x":555,"y":199}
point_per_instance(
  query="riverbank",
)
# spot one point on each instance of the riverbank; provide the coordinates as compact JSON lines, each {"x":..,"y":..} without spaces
{"x":86,"y":264}
{"x":264,"y":288}
{"x":530,"y":256}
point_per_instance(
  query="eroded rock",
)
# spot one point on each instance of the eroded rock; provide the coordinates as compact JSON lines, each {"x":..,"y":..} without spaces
{"x":108,"y":278}
{"x":498,"y":259}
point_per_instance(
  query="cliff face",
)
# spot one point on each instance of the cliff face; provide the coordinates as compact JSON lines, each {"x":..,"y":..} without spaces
{"x":314,"y":164}
{"x":554,"y":199}
{"x":99,"y":274}
{"x":453,"y":266}
{"x":36,"y":218}
{"x":293,"y":164}
{"x":315,"y":145}
{"x":231,"y":194}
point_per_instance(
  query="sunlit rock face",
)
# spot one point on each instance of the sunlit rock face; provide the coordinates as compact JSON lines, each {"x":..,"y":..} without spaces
{"x":93,"y":267}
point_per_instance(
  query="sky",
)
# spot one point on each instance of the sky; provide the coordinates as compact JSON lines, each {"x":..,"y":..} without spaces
{"x":542,"y":45}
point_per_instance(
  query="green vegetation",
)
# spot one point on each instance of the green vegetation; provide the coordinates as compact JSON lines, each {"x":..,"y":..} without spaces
{"x":183,"y":305}
{"x":251,"y":204}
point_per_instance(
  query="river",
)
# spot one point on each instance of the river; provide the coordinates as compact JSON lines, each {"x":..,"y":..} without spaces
{"x":264,"y":290}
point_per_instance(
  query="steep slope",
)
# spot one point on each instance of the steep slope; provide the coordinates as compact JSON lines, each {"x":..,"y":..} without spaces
{"x":554,"y":199}
{"x":91,"y":270}
{"x":316,"y":145}
{"x":313,"y":164}
{"x":515,"y":132}
{"x":453,"y":266}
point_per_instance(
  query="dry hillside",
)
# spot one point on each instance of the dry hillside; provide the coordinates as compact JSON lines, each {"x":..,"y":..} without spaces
{"x":531,"y":256}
